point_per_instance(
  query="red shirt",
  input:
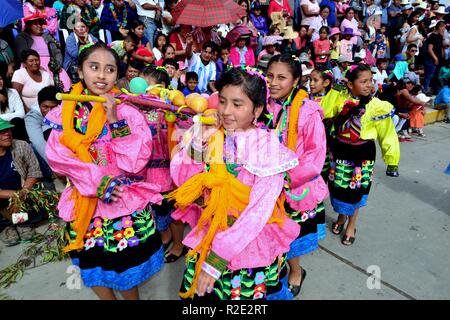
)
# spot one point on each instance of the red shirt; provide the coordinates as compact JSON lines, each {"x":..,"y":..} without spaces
{"x":274,"y":6}
{"x":175,"y":38}
{"x":321,"y":45}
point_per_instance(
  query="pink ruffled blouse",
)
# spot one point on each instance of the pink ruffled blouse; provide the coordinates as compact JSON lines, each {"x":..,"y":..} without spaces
{"x":250,"y":242}
{"x":310,"y":150}
{"x":126,"y":155}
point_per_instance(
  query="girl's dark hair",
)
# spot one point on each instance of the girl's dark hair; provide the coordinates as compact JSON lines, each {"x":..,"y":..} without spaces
{"x":324,"y":28}
{"x":353,"y":73}
{"x":348,"y":10}
{"x":273,"y":28}
{"x":294,"y":66}
{"x":325,"y":74}
{"x":85,"y":53}
{"x":250,"y":84}
{"x":412,"y":15}
{"x":171,"y":62}
{"x":136,"y":64}
{"x":30,"y":52}
{"x":161,"y":35}
{"x":6,"y":86}
{"x":158,"y":73}
{"x":166,"y":46}
{"x":135,"y":23}
{"x":325,"y":6}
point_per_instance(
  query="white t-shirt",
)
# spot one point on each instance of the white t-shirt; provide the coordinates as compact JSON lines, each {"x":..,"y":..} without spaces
{"x":311,"y":7}
{"x":143,"y":12}
{"x":15,"y":107}
{"x":205,"y":73}
{"x":379,"y":77}
{"x":30,"y":87}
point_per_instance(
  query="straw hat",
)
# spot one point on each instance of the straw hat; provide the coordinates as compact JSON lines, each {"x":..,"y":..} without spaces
{"x":272,"y":40}
{"x":405,"y":2}
{"x":305,"y":70}
{"x":289,"y":33}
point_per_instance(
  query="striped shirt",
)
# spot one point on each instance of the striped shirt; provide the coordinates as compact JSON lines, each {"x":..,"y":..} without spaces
{"x":206,"y":73}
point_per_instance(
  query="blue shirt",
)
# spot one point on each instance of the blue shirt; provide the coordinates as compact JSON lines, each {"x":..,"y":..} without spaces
{"x":332,"y":17}
{"x":9,"y":177}
{"x":187,"y":92}
{"x":108,"y":21}
{"x":443,"y":96}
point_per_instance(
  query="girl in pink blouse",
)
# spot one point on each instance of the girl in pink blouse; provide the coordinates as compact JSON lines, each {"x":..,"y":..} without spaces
{"x":244,"y":258}
{"x":352,"y":23}
{"x":241,"y":54}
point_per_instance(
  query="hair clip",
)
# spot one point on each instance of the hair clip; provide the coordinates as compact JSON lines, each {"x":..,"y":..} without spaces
{"x":86,"y":46}
{"x":163,"y":70}
{"x":260,"y":74}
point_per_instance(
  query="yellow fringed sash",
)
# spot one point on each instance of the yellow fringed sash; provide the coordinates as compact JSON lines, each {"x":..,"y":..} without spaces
{"x":227,"y":195}
{"x":84,"y":207}
{"x":293,"y":119}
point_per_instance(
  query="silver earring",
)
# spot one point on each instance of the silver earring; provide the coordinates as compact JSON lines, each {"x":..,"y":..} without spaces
{"x":255,"y":122}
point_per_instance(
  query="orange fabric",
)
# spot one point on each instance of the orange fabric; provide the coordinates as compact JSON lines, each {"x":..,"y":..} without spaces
{"x":84,"y":207}
{"x":417,"y":117}
{"x":293,"y":119}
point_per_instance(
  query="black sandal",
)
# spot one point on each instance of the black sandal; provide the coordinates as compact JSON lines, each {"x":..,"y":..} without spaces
{"x":295,"y":290}
{"x":337,"y":227}
{"x":167,"y":245}
{"x":348,"y":241}
{"x":172,"y":257}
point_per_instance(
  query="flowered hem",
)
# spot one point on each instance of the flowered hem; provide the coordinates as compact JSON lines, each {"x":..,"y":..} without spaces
{"x":303,"y":245}
{"x":242,"y":284}
{"x":347,"y":209}
{"x":344,"y":174}
{"x":321,"y":231}
{"x":266,"y":172}
{"x":302,"y":216}
{"x":124,"y":280}
{"x":284,"y":293}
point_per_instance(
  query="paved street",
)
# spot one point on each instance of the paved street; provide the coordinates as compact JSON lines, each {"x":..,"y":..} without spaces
{"x":403,"y":235}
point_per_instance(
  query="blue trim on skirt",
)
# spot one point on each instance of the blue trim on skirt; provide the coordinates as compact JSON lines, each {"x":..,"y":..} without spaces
{"x":125,"y":280}
{"x":321,"y":231}
{"x":303,"y":245}
{"x":163,"y":222}
{"x":348,"y":209}
{"x":284,"y":293}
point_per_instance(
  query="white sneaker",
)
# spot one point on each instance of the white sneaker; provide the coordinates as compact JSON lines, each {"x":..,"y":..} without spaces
{"x":420,"y":133}
{"x":405,"y":134}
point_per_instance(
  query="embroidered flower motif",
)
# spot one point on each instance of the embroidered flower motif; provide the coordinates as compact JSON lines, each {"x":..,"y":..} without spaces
{"x":90,"y":243}
{"x":358,"y":177}
{"x":118,"y":235}
{"x":235,"y":292}
{"x":331,"y":177}
{"x":260,"y":277}
{"x":98,"y":223}
{"x":352,"y":184}
{"x":118,"y":225}
{"x":100,"y":241}
{"x":358,"y":184}
{"x":236,"y":282}
{"x":122,"y":244}
{"x":260,"y":288}
{"x":133,"y":241}
{"x":311,"y":213}
{"x":358,"y":170}
{"x":304,"y":217}
{"x":128,"y":233}
{"x":127,"y":222}
{"x":89,"y":234}
{"x":236,"y":298}
{"x":98,"y":232}
{"x":258,"y":295}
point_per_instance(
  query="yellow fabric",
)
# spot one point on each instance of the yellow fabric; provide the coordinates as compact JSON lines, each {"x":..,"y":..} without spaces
{"x":383,"y":130}
{"x":84,"y":207}
{"x":226,"y":195}
{"x":333,"y":103}
{"x":293,"y":119}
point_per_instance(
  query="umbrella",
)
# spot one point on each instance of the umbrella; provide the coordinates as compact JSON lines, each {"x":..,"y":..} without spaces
{"x":205,"y":13}
{"x":237,"y":32}
{"x":11,"y":11}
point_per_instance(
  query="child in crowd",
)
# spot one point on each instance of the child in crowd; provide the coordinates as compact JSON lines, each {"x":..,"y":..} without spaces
{"x":161,"y":40}
{"x":335,"y":35}
{"x":191,"y":84}
{"x":417,"y":113}
{"x":241,"y":54}
{"x":172,"y":67}
{"x":442,"y":100}
{"x":322,"y":48}
{"x":126,"y":47}
{"x":223,"y":62}
{"x":168,"y":52}
{"x":133,"y":69}
{"x":107,"y":205}
{"x":381,"y":75}
{"x":346,"y":49}
{"x":143,"y":51}
{"x":381,"y":43}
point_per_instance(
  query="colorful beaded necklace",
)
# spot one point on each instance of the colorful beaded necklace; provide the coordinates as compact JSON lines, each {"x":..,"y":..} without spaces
{"x":116,"y":18}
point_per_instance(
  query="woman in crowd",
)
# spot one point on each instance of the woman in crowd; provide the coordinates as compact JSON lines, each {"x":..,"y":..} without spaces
{"x":28,"y":81}
{"x":46,"y":46}
{"x":51,"y":20}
